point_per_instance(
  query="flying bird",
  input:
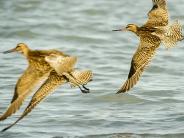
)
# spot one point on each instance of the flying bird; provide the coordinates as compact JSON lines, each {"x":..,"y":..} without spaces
{"x":38,"y":69}
{"x":155,"y":31}
{"x":52,"y":81}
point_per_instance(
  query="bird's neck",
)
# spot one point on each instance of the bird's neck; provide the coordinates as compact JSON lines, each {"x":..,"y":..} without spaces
{"x":135,"y":30}
{"x":26,"y":52}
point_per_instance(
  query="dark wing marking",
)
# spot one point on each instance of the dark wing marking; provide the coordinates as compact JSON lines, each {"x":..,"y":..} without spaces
{"x":160,"y":3}
{"x":48,"y":86}
{"x":158,"y":15}
{"x":143,"y":55}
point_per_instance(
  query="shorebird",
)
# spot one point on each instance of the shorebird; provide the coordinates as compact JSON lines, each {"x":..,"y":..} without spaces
{"x":53,"y":79}
{"x":37,"y":70}
{"x":154,"y":32}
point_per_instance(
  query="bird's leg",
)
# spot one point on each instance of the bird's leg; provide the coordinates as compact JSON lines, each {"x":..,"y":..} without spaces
{"x":83,"y":91}
{"x":73,"y":80}
{"x":85,"y":87}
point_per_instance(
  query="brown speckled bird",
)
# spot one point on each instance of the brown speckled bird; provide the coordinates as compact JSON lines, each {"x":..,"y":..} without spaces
{"x":41,"y":63}
{"x":154,"y":32}
{"x":37,"y":70}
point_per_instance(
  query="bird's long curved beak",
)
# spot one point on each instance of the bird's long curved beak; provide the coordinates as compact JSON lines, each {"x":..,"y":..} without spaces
{"x":122,"y":29}
{"x":10,"y":51}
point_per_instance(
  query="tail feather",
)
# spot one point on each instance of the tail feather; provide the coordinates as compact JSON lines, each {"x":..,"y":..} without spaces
{"x":82,"y":77}
{"x":173,"y":35}
{"x":170,"y":34}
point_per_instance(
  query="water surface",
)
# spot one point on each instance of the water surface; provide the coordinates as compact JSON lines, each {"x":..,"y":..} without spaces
{"x":154,"y":108}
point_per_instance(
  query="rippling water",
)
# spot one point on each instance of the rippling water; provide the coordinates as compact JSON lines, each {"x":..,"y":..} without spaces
{"x":154,"y":108}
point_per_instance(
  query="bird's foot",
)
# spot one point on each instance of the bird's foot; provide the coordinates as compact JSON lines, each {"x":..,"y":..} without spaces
{"x":84,"y":91}
{"x":85,"y":87}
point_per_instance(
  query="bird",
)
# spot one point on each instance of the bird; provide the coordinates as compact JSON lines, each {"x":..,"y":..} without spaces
{"x":155,"y":31}
{"x":53,"y":79}
{"x":37,"y":70}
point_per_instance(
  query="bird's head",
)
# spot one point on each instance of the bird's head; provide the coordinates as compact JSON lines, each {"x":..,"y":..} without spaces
{"x":129,"y":27}
{"x":21,"y":48}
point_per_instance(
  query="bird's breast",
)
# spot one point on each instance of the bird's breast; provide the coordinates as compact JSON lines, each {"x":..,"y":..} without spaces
{"x":40,"y":64}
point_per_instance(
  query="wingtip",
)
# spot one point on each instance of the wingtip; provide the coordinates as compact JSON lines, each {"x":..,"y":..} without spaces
{"x":120,"y":91}
{"x":2,"y":118}
{"x":3,"y":130}
{"x":8,"y":127}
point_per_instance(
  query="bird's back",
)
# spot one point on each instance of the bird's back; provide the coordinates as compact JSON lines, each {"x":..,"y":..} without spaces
{"x":36,"y":58}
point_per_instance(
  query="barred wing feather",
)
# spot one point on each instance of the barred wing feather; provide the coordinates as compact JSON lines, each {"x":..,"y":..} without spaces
{"x":48,"y":86}
{"x":26,"y":83}
{"x":140,"y":60}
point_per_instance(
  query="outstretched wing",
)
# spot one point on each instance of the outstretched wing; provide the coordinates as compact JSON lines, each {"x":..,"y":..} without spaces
{"x":143,"y":55}
{"x":61,"y":64}
{"x":48,"y":86}
{"x":24,"y":87}
{"x":158,"y":15}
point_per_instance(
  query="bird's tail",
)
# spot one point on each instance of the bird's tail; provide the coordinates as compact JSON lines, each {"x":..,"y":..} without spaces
{"x":82,"y":77}
{"x":170,"y":34}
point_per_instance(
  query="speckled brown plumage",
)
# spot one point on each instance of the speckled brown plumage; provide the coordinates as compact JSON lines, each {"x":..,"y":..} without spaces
{"x":65,"y":66}
{"x":37,"y":70}
{"x":57,"y":74}
{"x":154,"y":32}
{"x":158,"y":15}
{"x":54,"y":80}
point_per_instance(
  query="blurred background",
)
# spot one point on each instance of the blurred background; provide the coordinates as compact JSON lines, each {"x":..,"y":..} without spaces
{"x":153,"y":108}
